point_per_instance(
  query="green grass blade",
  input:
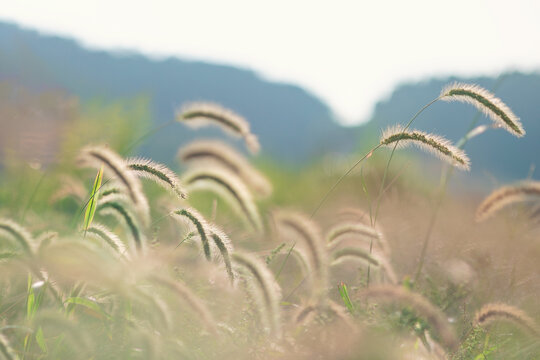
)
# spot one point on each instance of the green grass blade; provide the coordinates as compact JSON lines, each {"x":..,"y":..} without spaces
{"x":87,"y":303}
{"x":344,"y":293}
{"x":40,"y":339}
{"x":91,"y":208}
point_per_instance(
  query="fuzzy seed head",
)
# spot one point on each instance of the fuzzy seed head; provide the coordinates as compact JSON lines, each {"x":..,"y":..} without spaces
{"x":224,"y":246}
{"x":117,"y":205}
{"x":17,"y":232}
{"x":230,"y":187}
{"x":306,"y":232}
{"x":266,"y":289}
{"x":486,"y":102}
{"x":435,"y":317}
{"x":211,"y":152}
{"x":356,"y":253}
{"x":201,"y":114}
{"x":190,"y":298}
{"x":437,"y":145}
{"x":96,"y":156}
{"x":362,"y":231}
{"x":157,"y":172}
{"x":493,"y":312}
{"x":195,"y":219}
{"x":101,"y":232}
{"x":507,"y":195}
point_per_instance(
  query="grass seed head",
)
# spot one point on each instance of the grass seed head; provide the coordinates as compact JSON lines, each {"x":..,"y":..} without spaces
{"x":493,"y":312}
{"x":157,"y":172}
{"x":101,"y":232}
{"x":228,"y":185}
{"x":225,"y":248}
{"x":486,"y":102}
{"x":307,"y":232}
{"x":434,"y":144}
{"x":507,"y":195}
{"x":218,"y":152}
{"x":338,"y":232}
{"x":200,"y":114}
{"x":190,"y":298}
{"x":200,"y":224}
{"x":96,"y":156}
{"x":19,"y":233}
{"x":267,"y":290}
{"x":435,"y":317}
{"x":117,"y":206}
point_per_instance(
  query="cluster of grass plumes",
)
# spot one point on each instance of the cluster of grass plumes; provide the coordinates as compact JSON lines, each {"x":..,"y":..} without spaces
{"x":495,"y":312}
{"x":130,"y":271}
{"x":507,"y":195}
{"x":214,"y":152}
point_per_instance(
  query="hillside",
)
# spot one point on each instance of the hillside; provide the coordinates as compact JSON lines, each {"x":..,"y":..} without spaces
{"x":294,"y":126}
{"x":495,"y":153}
{"x":279,"y":113}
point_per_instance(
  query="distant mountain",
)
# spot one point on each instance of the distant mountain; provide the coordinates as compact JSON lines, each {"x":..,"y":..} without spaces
{"x":494,"y":153}
{"x":293,"y":125}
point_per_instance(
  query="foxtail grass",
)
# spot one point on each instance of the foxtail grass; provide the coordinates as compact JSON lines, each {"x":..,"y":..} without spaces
{"x":200,"y":224}
{"x":495,"y":312}
{"x":266,"y":290}
{"x":101,"y":232}
{"x":157,"y":172}
{"x":117,"y":206}
{"x":307,"y":313}
{"x":307,"y":232}
{"x":337,"y":234}
{"x":434,"y":144}
{"x":96,"y":156}
{"x":190,"y":298}
{"x":357,"y":253}
{"x":229,"y":186}
{"x":224,"y":245}
{"x":507,"y":195}
{"x":435,"y":317}
{"x":486,"y":102}
{"x":217,"y":152}
{"x":356,"y":214}
{"x":6,"y":350}
{"x":44,"y":239}
{"x":203,"y":114}
{"x":19,"y":233}
{"x":304,"y":314}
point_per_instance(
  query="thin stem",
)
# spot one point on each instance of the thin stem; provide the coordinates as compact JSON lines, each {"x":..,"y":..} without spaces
{"x":392,"y":155}
{"x":285,"y":260}
{"x":383,"y":182}
{"x":83,"y":208}
{"x":341,"y":179}
{"x":146,"y":136}
{"x":445,"y":177}
{"x":33,"y":196}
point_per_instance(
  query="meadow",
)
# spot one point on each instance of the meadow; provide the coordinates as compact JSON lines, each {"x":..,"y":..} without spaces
{"x":104,"y":255}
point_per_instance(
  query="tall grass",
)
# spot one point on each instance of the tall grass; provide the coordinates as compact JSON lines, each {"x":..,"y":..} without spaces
{"x":133,"y":286}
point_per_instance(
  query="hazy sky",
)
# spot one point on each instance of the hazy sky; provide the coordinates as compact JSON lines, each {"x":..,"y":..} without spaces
{"x":350,"y":53}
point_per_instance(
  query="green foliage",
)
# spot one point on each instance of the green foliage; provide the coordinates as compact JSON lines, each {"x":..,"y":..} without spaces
{"x":118,"y":124}
{"x":344,"y":293}
{"x":92,"y":202}
{"x":77,"y":299}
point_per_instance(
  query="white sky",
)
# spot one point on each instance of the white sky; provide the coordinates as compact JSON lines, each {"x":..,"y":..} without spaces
{"x":350,"y":53}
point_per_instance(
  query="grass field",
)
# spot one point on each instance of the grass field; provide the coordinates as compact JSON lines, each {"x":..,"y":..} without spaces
{"x":107,"y":256}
